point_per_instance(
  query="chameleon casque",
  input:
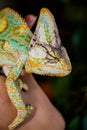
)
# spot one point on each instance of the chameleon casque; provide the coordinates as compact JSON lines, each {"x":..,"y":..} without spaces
{"x":40,"y":53}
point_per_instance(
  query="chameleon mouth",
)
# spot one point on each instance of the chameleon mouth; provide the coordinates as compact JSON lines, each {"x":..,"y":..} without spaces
{"x":50,"y":69}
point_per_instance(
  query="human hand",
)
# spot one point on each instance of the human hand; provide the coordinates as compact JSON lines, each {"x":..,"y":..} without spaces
{"x":44,"y":117}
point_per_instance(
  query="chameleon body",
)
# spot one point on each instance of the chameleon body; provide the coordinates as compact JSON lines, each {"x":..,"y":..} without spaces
{"x":40,"y":53}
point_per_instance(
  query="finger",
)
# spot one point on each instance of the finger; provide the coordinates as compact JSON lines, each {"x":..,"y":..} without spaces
{"x":3,"y":92}
{"x":30,"y":19}
{"x":43,"y":109}
{"x":7,"y":110}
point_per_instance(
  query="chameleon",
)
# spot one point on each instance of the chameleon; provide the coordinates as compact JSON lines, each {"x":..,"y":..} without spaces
{"x":40,"y":52}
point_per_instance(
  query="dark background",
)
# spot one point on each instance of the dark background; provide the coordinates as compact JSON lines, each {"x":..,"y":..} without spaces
{"x":68,"y":94}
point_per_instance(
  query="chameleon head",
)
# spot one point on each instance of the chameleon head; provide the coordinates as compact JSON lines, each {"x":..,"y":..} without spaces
{"x":46,"y":55}
{"x":48,"y":61}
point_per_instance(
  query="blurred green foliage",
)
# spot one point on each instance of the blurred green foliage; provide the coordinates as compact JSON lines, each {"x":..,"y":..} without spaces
{"x":71,"y":91}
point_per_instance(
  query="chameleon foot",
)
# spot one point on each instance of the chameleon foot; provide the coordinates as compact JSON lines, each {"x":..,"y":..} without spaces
{"x":21,"y":85}
{"x":22,"y":114}
{"x":30,"y":108}
{"x":22,"y":110}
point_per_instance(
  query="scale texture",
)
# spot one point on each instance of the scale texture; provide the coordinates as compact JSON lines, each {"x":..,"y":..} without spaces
{"x":40,"y":53}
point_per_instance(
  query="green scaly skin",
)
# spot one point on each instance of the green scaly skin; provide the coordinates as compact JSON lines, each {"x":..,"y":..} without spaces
{"x":40,"y":53}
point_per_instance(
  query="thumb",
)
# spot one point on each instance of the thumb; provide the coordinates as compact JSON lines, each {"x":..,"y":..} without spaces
{"x":30,"y":19}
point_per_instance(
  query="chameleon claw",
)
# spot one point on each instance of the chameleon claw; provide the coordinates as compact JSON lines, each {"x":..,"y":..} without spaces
{"x":30,"y":108}
{"x":21,"y":85}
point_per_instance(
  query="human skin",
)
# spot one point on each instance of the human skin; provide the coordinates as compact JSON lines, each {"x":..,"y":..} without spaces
{"x":44,"y":116}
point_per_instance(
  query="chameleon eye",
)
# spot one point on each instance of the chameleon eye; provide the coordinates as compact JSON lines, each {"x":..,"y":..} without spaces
{"x":3,"y":25}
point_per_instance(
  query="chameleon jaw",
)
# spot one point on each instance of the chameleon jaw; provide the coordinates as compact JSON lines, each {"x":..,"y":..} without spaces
{"x":49,"y":70}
